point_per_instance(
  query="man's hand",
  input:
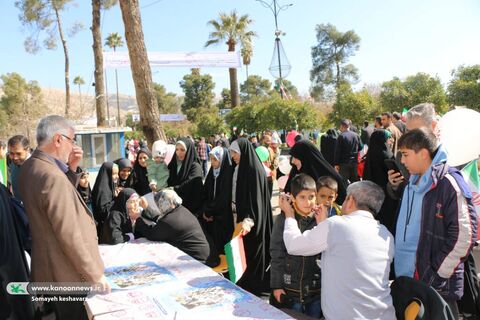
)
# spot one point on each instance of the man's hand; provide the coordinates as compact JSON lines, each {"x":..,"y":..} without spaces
{"x":277,"y":293}
{"x":395,"y":178}
{"x":285,"y":204}
{"x":133,"y":211}
{"x":102,"y":286}
{"x":321,"y":213}
{"x":75,"y":157}
{"x":337,"y":168}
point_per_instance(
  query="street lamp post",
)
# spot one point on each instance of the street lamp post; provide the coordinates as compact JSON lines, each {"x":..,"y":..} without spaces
{"x":276,"y":8}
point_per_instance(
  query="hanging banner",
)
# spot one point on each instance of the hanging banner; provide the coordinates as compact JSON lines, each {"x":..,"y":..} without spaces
{"x":177,"y":59}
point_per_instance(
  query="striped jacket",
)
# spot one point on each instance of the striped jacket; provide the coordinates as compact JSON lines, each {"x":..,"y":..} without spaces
{"x":448,"y":232}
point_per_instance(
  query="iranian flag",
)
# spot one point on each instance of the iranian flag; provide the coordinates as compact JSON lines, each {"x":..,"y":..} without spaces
{"x":235,"y":253}
{"x":3,"y":171}
{"x":470,"y":174}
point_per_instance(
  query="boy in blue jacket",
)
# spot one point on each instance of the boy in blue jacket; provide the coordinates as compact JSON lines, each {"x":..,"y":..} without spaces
{"x":437,"y":223}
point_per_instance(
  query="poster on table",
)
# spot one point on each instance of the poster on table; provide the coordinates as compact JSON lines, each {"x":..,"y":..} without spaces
{"x":152,"y":280}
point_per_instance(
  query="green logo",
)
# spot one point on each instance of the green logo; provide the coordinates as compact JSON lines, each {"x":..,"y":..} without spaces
{"x":17,"y":288}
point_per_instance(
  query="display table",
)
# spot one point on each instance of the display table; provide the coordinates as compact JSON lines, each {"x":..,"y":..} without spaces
{"x":153,"y":280}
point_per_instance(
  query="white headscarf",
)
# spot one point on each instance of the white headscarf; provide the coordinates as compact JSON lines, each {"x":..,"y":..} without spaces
{"x":218,"y":154}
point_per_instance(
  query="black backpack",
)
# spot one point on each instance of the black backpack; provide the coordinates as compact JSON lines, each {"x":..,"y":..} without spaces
{"x":469,"y":304}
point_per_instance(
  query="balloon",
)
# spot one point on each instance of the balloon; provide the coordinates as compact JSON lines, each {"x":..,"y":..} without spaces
{"x":460,"y":135}
{"x":282,"y":182}
{"x":170,"y":152}
{"x":262,"y":153}
{"x":284,"y":165}
{"x":291,"y":138}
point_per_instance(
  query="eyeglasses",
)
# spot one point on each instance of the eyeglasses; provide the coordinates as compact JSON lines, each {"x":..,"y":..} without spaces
{"x":69,"y":139}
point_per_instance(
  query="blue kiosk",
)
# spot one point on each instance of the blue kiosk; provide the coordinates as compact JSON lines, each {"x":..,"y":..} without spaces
{"x":100,"y":145}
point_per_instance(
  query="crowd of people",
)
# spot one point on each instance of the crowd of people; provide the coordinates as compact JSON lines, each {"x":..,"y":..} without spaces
{"x":344,"y":229}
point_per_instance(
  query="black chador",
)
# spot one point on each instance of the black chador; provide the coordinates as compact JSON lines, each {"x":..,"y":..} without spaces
{"x":218,"y":199}
{"x":252,"y":200}
{"x":315,"y":165}
{"x":186,"y":177}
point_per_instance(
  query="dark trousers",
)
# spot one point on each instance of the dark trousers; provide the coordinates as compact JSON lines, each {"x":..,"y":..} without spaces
{"x":270,"y":186}
{"x":349,"y":172}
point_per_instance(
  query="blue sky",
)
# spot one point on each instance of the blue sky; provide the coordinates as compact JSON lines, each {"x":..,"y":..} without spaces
{"x":398,"y":38}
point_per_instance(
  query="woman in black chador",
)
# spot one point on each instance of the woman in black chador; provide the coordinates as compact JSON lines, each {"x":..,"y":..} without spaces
{"x":140,"y":178}
{"x":104,"y":192}
{"x":118,"y":227}
{"x":306,"y":158}
{"x":185,"y":176}
{"x":251,"y":199}
{"x":217,"y":206}
{"x":376,"y":171}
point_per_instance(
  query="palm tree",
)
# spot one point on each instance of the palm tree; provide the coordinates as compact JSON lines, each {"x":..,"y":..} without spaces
{"x":114,"y":40}
{"x":247,"y":53}
{"x":233,"y":30}
{"x":78,"y":81}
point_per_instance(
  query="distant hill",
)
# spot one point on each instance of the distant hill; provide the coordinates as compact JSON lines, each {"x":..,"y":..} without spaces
{"x":84,"y":106}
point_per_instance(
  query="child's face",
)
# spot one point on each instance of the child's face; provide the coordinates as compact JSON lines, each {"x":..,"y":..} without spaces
{"x":125,"y":173}
{"x":326,"y":196}
{"x":115,"y":174}
{"x":158,"y":159}
{"x":416,"y":162}
{"x":84,"y":181}
{"x":214,"y":162}
{"x":305,"y":201}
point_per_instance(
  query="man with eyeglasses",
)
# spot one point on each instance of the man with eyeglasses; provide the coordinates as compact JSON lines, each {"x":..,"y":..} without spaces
{"x":64,"y":236}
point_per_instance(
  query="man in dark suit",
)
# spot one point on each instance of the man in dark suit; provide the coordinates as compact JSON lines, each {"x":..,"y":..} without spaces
{"x":366,"y":133}
{"x":64,"y":237}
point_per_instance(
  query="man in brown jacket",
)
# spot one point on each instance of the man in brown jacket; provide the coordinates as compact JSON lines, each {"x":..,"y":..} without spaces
{"x":64,"y":239}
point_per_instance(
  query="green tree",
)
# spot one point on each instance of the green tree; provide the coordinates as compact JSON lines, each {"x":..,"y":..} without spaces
{"x":198,"y":91}
{"x":113,"y":41}
{"x":233,"y":30}
{"x":254,"y":87}
{"x":209,"y":123}
{"x":330,"y":60}
{"x":141,"y":72}
{"x":397,"y":94}
{"x":78,"y":81}
{"x":225,"y":99}
{"x":273,"y":113}
{"x":21,"y":105}
{"x":289,"y":88}
{"x":356,"y":106}
{"x":45,"y":16}
{"x":168,"y":102}
{"x":464,"y":88}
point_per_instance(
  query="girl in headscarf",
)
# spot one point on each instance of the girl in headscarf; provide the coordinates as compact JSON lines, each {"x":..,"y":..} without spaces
{"x":124,"y":172}
{"x":217,"y":206}
{"x":251,"y":199}
{"x":140,"y":177}
{"x":174,"y":224}
{"x":186,"y":175}
{"x":85,"y":190}
{"x":306,"y":158}
{"x":118,"y":226}
{"x":376,"y":171}
{"x":103,"y":193}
